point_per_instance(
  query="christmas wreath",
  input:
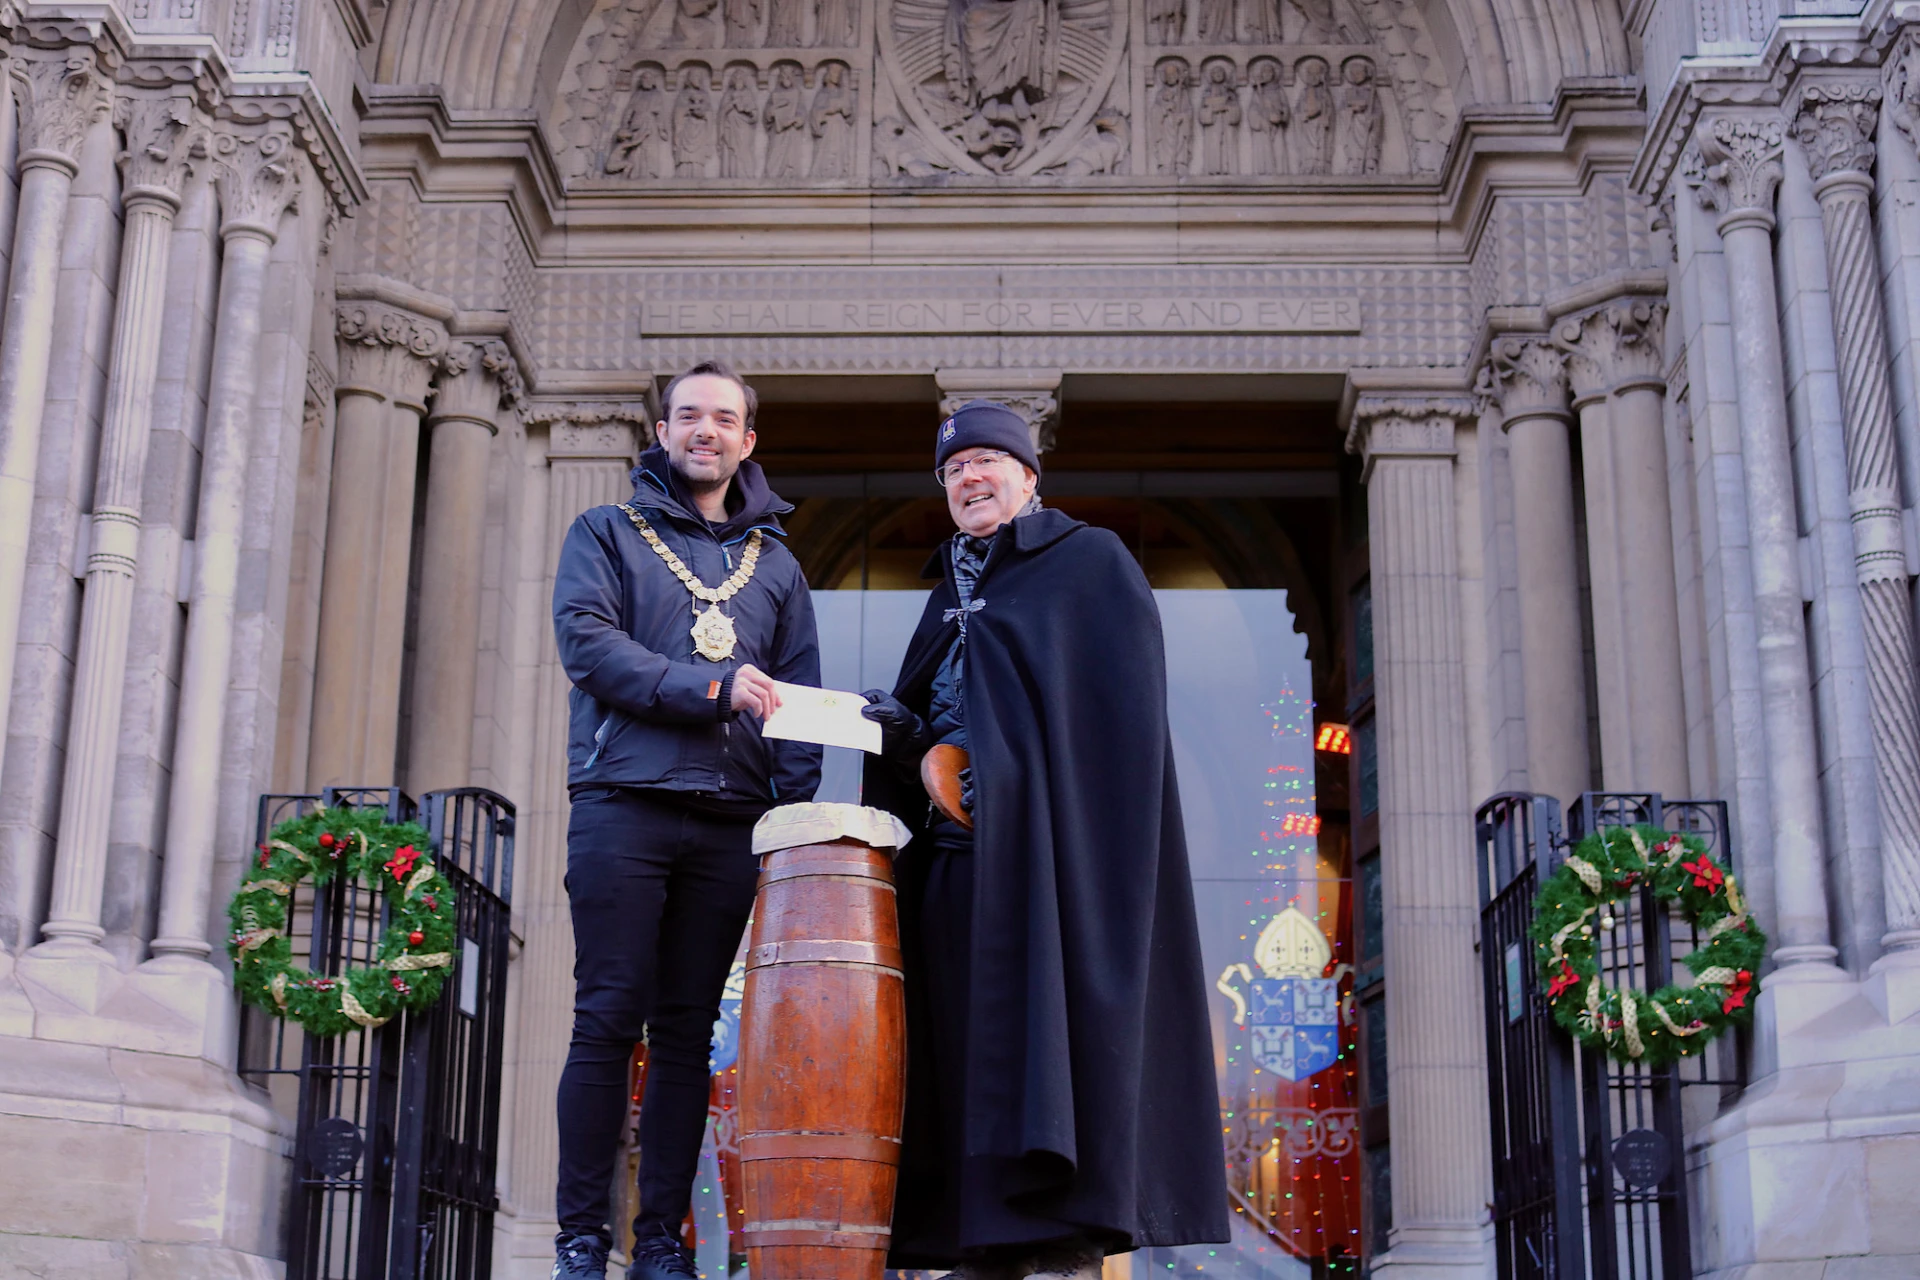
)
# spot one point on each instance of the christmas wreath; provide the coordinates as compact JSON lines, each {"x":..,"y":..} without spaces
{"x":413,"y":956}
{"x":1575,"y":905}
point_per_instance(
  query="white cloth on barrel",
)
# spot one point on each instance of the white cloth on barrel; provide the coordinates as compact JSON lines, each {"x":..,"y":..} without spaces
{"x":792,"y":825}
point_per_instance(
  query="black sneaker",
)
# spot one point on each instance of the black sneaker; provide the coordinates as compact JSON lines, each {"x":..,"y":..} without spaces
{"x":579,"y":1257}
{"x":657,"y":1255}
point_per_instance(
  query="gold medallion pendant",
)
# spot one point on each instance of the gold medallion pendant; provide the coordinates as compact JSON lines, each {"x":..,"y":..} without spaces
{"x":712,"y":631}
{"x":713,"y":634}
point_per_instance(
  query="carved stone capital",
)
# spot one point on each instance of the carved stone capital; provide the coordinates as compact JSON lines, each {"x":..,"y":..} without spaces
{"x":387,"y":352}
{"x":1031,"y":393}
{"x":1735,"y":169}
{"x":1405,"y":426}
{"x":593,"y":429}
{"x":1526,"y":376}
{"x":59,"y":95}
{"x":1835,"y":124}
{"x":161,"y":129}
{"x":477,"y":379}
{"x":1614,"y":343}
{"x":257,"y":171}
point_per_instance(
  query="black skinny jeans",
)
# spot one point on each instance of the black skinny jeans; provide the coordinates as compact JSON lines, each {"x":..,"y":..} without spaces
{"x":660,"y":894}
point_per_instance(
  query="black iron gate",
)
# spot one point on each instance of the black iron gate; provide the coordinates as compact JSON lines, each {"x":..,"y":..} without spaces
{"x":1588,"y":1155}
{"x":1530,"y":1069}
{"x":396,"y":1128}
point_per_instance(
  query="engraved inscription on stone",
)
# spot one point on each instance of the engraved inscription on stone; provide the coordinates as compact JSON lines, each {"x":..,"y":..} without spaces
{"x":664,"y":318}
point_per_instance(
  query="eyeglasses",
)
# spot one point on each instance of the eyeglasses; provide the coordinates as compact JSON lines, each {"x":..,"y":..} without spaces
{"x":950,"y":474}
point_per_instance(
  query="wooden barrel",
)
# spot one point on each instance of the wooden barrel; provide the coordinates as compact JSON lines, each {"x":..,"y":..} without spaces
{"x":822,"y":1084}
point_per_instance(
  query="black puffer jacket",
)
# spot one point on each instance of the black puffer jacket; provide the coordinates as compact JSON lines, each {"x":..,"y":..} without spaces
{"x":641,"y":711}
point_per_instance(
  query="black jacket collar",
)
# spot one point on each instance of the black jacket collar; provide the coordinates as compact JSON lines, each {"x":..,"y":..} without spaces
{"x":751,"y":502}
{"x":1027,"y":534}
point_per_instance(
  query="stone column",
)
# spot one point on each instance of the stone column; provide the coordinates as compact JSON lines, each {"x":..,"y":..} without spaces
{"x":1034,"y":394}
{"x":1737,"y":175}
{"x":1614,"y":360}
{"x":257,"y":178}
{"x":1528,"y":378}
{"x":476,"y":379}
{"x":386,"y":356}
{"x":1436,"y":1071}
{"x":57,"y":98}
{"x":157,"y":131}
{"x":1836,"y":126}
{"x":590,"y":449}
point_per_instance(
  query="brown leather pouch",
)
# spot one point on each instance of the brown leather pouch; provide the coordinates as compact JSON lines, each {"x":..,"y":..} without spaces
{"x":940,"y":775}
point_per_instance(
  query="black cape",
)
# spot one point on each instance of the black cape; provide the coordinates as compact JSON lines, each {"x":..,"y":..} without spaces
{"x":1089,"y":1064}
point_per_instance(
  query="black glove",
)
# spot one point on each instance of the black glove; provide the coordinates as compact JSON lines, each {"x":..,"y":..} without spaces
{"x":904,"y":736}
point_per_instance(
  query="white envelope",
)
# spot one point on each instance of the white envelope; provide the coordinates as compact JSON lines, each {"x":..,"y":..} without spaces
{"x":829,"y":717}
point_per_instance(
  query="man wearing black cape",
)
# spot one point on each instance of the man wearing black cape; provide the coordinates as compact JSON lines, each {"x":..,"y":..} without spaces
{"x":1061,"y":1098}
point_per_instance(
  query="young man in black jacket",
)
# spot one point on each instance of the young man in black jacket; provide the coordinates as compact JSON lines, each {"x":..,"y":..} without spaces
{"x":675,"y":612}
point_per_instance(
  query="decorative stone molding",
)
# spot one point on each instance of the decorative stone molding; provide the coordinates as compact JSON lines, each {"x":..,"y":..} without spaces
{"x":1031,"y":393}
{"x":592,"y":429}
{"x":1526,"y":376}
{"x":161,"y":129}
{"x":58,"y":96}
{"x":1398,"y":426}
{"x":301,"y":109}
{"x":1616,"y":343}
{"x":1903,"y":84}
{"x":387,"y":352}
{"x":257,"y":174}
{"x":1736,"y":170}
{"x":1835,"y":124}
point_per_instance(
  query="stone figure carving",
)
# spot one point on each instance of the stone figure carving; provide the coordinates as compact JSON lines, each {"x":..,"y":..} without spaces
{"x":1164,"y":20}
{"x":1312,"y":118}
{"x":743,"y":22}
{"x":1357,"y":136}
{"x":739,"y":123}
{"x":1000,"y":60}
{"x":1263,"y":22}
{"x":1001,"y":49}
{"x":1172,"y":120}
{"x":696,"y":24}
{"x":1214,"y":21}
{"x":786,"y":121}
{"x":693,"y":125}
{"x":1323,"y":24}
{"x":897,"y":152}
{"x":1903,"y":85}
{"x":835,"y":23}
{"x":1219,"y":120}
{"x":1268,"y":117}
{"x":1105,"y":151}
{"x":832,"y":120}
{"x":644,"y":128}
{"x":786,"y":28}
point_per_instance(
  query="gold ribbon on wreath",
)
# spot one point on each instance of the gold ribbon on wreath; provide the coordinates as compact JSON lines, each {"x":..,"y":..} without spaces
{"x":439,"y":959}
{"x":357,"y":1011}
{"x":1588,"y":873}
{"x":421,"y":874}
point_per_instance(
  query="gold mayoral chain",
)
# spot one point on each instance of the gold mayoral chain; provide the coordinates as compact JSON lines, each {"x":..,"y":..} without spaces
{"x":712,"y":631}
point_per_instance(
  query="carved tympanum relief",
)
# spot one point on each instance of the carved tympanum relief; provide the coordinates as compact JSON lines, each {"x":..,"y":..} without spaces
{"x":930,"y":92}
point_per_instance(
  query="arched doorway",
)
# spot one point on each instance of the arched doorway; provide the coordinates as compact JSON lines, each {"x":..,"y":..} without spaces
{"x":1234,"y":510}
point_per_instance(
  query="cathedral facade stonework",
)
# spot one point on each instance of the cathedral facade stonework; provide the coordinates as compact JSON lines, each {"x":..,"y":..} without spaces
{"x":324,"y":316}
